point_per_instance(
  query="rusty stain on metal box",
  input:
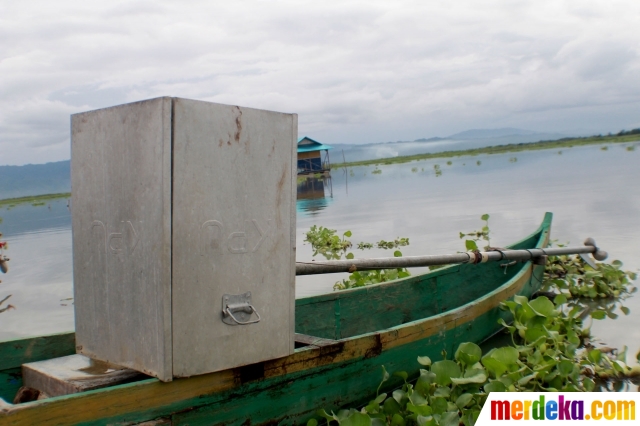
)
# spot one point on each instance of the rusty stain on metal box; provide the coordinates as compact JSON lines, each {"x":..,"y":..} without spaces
{"x":175,"y":204}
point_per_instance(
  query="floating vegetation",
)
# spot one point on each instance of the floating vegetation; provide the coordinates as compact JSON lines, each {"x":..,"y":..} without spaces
{"x":513,"y":159}
{"x":478,"y":162}
{"x":630,"y":136}
{"x":559,"y":152}
{"x":414,"y":169}
{"x":351,"y":173}
{"x":482,"y":234}
{"x":327,"y":243}
{"x":550,"y":350}
{"x":631,"y":148}
{"x":36,"y":200}
{"x":376,"y":171}
{"x":449,"y":163}
{"x":576,"y":279}
{"x":604,"y":148}
{"x":437,"y":169}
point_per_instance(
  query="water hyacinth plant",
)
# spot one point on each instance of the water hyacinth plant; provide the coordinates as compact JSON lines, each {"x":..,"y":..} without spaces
{"x":548,"y":353}
{"x":327,"y":243}
{"x":550,"y":349}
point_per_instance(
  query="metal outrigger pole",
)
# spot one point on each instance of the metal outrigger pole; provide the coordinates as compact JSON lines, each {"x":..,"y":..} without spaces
{"x":475,"y":257}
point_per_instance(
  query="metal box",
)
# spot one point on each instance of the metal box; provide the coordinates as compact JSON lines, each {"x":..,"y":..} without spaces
{"x":183,"y":216}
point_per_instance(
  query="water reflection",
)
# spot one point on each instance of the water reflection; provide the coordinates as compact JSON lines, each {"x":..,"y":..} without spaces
{"x":314,"y":194}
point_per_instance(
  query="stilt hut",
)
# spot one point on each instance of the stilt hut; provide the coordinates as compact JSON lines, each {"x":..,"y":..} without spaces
{"x":311,"y":158}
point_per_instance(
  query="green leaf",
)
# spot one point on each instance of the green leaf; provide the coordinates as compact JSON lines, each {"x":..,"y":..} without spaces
{"x":372,"y":407}
{"x":469,"y":353}
{"x":588,"y":384}
{"x":356,"y":419}
{"x":470,"y":417}
{"x":475,"y":375}
{"x":450,"y":419}
{"x":424,"y":360}
{"x":347,"y":234}
{"x":391,"y":407}
{"x":598,"y":314}
{"x":349,"y":256}
{"x":399,"y":395}
{"x":624,"y":310}
{"x":444,"y":371}
{"x":493,"y":365}
{"x":534,"y":333}
{"x":442,"y":391}
{"x":426,"y":421}
{"x":544,"y":307}
{"x":385,"y":375}
{"x":495,"y":386}
{"x":422,"y":410}
{"x":526,"y":379}
{"x":326,"y":415}
{"x":402,"y":374}
{"x":471,"y":245}
{"x":506,"y":355}
{"x":397,"y":420}
{"x":397,"y":253}
{"x":380,"y":398}
{"x":416,"y":398}
{"x":425,"y":380}
{"x":312,"y":422}
{"x":565,"y":367}
{"x":439,"y":405}
{"x":463,"y":400}
{"x":484,"y":217}
{"x":560,"y":299}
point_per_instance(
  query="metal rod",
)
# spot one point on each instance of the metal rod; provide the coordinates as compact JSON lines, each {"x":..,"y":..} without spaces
{"x":334,"y":266}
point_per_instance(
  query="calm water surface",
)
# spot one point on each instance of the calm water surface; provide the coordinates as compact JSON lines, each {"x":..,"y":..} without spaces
{"x":591,"y":191}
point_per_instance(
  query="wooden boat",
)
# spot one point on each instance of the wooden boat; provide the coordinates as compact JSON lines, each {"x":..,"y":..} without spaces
{"x":343,"y":339}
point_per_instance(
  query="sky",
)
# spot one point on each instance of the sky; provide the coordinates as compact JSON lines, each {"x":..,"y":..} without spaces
{"x":353,"y":71}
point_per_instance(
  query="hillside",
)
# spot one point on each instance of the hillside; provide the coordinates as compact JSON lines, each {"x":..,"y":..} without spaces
{"x":35,"y":179}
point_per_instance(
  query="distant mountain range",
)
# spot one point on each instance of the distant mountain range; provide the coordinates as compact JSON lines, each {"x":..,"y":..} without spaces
{"x":502,"y":135}
{"x":499,"y":133}
{"x":49,"y":178}
{"x":35,"y":179}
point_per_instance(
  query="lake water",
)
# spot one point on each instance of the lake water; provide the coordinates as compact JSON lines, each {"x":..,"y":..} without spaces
{"x":592,"y":193}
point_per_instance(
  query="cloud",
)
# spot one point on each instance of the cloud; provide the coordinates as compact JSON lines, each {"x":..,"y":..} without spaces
{"x":354,"y":71}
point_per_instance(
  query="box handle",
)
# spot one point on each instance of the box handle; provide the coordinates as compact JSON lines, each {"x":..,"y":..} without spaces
{"x":240,"y":305}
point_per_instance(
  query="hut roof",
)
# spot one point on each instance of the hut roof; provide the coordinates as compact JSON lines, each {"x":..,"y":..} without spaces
{"x":306,"y":144}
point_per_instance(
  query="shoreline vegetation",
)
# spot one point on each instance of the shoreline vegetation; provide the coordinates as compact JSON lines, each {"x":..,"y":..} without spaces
{"x":35,"y":200}
{"x":622,"y":137}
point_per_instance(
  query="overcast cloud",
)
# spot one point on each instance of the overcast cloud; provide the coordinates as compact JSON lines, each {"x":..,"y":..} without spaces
{"x":354,"y":71}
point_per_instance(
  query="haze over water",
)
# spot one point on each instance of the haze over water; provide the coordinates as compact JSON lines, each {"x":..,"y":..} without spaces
{"x":592,"y":193}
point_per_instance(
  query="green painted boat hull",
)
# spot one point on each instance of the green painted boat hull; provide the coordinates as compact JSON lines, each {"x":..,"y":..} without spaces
{"x":353,"y":333}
